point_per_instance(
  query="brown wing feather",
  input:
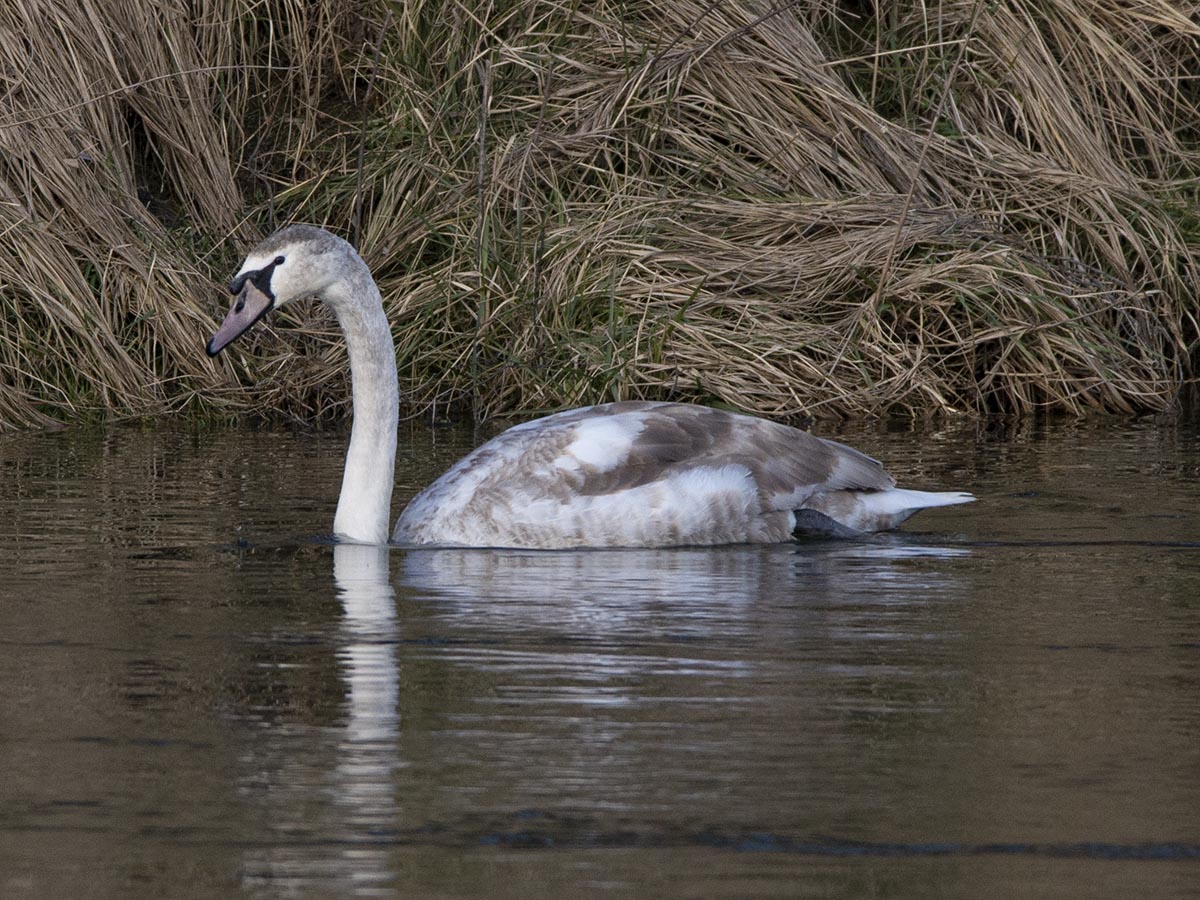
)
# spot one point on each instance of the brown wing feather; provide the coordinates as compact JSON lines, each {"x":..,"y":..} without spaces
{"x":784,"y":461}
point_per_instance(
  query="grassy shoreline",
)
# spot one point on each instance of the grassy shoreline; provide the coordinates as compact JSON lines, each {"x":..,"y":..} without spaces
{"x":801,"y":210}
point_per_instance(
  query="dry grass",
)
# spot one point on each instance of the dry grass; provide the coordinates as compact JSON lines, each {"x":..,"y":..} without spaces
{"x":794,"y":208}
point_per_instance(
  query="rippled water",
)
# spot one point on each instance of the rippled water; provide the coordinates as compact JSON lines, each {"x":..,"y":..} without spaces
{"x":201,"y":697}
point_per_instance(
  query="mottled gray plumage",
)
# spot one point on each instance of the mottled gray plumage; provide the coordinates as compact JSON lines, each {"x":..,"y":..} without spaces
{"x":314,"y":240}
{"x":635,"y":474}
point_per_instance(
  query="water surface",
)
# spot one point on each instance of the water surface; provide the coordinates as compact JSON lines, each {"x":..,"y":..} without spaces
{"x":203,"y":697}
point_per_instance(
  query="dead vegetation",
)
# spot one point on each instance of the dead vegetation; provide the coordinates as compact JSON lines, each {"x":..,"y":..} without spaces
{"x":795,"y":208}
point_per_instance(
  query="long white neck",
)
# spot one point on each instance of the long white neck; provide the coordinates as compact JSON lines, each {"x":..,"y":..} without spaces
{"x":364,"y":507}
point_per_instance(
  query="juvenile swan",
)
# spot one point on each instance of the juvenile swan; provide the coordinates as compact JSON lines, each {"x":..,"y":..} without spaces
{"x":616,"y":475}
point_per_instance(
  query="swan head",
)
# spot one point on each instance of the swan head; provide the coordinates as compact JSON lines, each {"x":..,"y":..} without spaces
{"x":295,"y":262}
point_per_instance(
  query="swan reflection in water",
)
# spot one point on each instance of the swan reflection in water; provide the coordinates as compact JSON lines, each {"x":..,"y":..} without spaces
{"x":370,"y":668}
{"x":586,"y":628}
{"x":335,"y":789}
{"x":578,"y":628}
{"x":368,"y":753}
{"x":674,"y":588}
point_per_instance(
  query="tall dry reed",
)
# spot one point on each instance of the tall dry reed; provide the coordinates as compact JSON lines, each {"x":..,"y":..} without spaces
{"x":796,"y":208}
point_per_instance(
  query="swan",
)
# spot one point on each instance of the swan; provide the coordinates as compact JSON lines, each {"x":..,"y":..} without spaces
{"x":625,"y":474}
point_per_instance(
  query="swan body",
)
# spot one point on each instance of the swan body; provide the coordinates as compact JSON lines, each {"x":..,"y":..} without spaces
{"x":627,"y":474}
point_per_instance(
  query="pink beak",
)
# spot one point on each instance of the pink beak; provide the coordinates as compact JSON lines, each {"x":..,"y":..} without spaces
{"x":248,"y":307}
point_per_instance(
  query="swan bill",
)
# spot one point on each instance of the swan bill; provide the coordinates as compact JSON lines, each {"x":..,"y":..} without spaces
{"x":250,"y":305}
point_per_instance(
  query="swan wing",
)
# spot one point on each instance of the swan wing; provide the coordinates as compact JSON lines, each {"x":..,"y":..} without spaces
{"x":634,"y":474}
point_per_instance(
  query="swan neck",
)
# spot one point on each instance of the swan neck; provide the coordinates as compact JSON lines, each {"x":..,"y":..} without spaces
{"x":364,"y":506}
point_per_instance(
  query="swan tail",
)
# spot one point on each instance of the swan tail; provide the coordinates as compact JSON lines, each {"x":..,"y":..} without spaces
{"x":867,"y":511}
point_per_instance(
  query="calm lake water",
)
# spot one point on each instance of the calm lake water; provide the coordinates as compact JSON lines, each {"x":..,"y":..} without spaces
{"x":202,"y":697}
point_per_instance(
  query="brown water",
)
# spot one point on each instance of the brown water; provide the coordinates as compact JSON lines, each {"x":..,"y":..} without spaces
{"x":199,"y":697}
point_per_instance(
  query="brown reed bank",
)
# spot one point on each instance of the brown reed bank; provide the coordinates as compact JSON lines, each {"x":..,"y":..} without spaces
{"x":817,"y":208}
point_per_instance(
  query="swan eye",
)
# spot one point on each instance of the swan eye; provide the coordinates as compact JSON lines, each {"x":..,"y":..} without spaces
{"x":279,"y":260}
